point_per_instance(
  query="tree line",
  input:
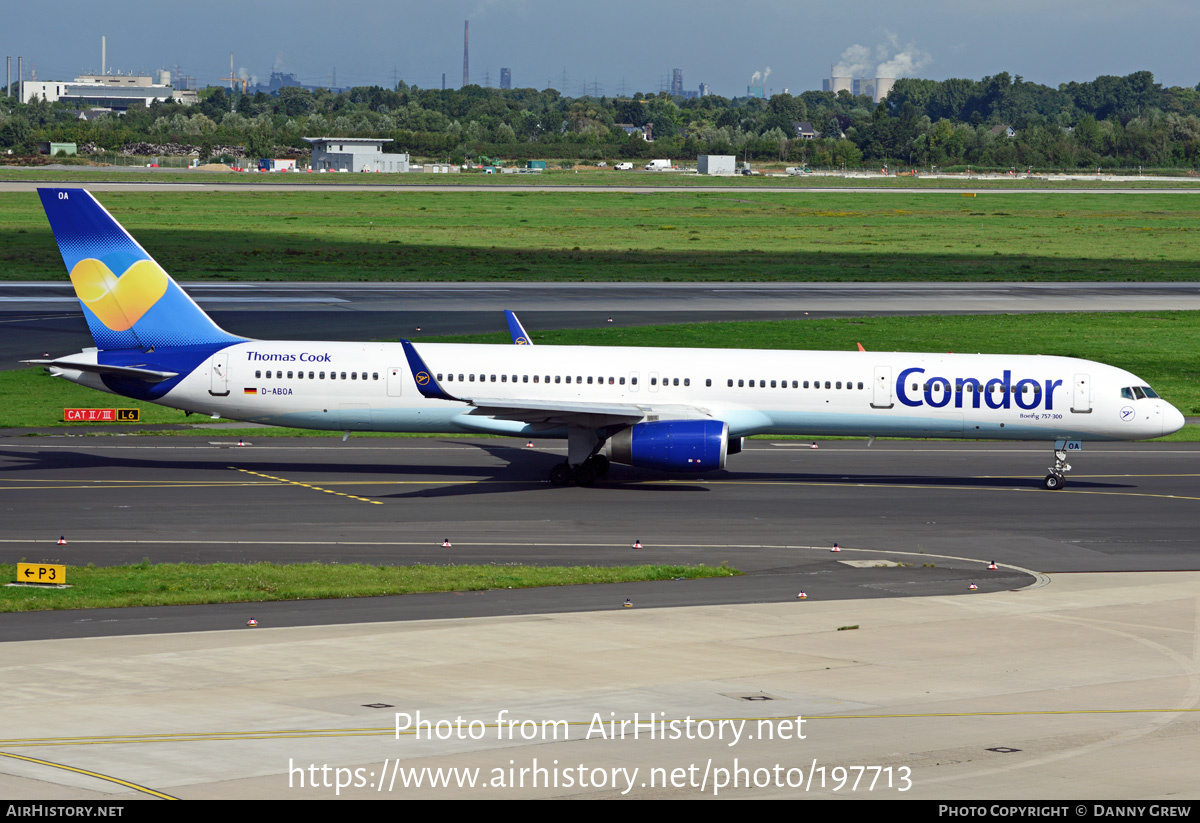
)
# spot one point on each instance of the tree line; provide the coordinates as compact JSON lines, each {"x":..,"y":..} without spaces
{"x":999,"y":121}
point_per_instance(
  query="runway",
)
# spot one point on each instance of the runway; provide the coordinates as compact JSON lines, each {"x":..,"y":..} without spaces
{"x":943,"y":510}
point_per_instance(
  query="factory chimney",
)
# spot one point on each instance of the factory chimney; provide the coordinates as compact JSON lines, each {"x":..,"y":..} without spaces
{"x":466,"y":51}
{"x":103,"y":54}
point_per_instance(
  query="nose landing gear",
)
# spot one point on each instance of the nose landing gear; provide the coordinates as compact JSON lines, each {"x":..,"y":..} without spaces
{"x":1057,"y":478}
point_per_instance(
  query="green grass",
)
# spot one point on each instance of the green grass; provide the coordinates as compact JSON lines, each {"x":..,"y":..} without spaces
{"x":1163,"y":348}
{"x":178,"y":584}
{"x":614,"y":236}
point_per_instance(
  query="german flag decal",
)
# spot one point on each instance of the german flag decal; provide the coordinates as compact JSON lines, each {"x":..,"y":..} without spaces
{"x":249,"y":391}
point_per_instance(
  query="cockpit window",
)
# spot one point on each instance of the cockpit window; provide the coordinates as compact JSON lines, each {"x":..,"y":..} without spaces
{"x":1127,"y":394}
{"x":1138,"y":393}
{"x":1149,"y":391}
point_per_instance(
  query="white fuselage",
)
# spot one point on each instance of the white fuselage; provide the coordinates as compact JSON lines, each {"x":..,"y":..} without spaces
{"x":369,"y":387}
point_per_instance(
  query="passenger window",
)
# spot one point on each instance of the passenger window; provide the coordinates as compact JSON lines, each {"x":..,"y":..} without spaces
{"x":310,"y":375}
{"x":622,"y":381}
{"x":504,"y":378}
{"x":343,"y":375}
{"x":633,"y":381}
{"x":611,"y":381}
{"x":258,"y":374}
{"x":729,"y":383}
{"x":535,"y":378}
{"x":772,"y":384}
{"x":653,"y":381}
{"x":353,"y":375}
{"x":839,"y":384}
{"x":740,"y":383}
{"x":471,"y":377}
{"x":826,"y":384}
{"x":557,"y":378}
{"x":322,"y":375}
{"x":493,"y":378}
{"x":589,"y":380}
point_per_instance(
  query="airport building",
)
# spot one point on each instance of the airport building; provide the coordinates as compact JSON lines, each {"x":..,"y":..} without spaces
{"x":724,"y":165}
{"x":354,"y":154}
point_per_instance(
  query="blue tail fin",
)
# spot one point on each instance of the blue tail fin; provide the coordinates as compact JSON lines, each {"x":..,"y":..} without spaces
{"x":129,"y":301}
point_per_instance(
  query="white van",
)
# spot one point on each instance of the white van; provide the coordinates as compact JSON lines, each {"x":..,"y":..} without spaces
{"x":658,"y":165}
{"x":624,"y":167}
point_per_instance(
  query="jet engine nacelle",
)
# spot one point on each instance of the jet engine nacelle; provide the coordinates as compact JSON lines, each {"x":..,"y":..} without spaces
{"x":672,"y":445}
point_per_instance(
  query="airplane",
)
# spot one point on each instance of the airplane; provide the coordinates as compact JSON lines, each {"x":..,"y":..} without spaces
{"x":681,"y":410}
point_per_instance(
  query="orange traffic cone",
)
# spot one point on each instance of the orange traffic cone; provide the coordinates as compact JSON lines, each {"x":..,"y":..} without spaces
{"x":251,"y":623}
{"x":637,"y":544}
{"x":992,"y":566}
{"x":973,"y":587}
{"x":446,"y":543}
{"x":628,"y":603}
{"x":240,"y":443}
{"x":529,"y":445}
{"x":835,"y":548}
{"x":802,"y":596}
{"x":814,"y":445}
{"x":62,"y":541}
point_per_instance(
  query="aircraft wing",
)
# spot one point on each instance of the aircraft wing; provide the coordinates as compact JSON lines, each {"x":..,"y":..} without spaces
{"x":547,"y":412}
{"x":578,"y":413}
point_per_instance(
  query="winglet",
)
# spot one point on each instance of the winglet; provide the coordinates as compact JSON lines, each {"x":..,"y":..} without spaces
{"x":427,"y":385}
{"x":519,"y":336}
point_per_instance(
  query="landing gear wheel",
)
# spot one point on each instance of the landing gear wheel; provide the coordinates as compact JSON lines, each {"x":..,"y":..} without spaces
{"x":1054,"y":482}
{"x":560,"y":475}
{"x":598,"y":463}
{"x":585,"y":475}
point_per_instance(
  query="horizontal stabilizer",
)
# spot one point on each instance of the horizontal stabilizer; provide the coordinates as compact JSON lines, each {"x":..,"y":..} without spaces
{"x":134,"y":372}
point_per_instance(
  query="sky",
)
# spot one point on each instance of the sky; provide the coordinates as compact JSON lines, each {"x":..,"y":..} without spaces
{"x":612,"y":47}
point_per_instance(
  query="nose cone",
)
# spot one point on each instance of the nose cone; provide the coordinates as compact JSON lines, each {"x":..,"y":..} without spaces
{"x":1172,"y":419}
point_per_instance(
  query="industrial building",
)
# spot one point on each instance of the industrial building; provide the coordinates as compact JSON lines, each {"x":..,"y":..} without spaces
{"x":505,"y":78}
{"x":876,"y":88}
{"x":118,"y":92}
{"x":354,"y":154}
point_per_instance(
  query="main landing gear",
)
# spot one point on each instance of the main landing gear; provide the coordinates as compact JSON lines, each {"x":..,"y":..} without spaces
{"x":584,"y":465}
{"x":585,"y":474}
{"x":1057,"y":478}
